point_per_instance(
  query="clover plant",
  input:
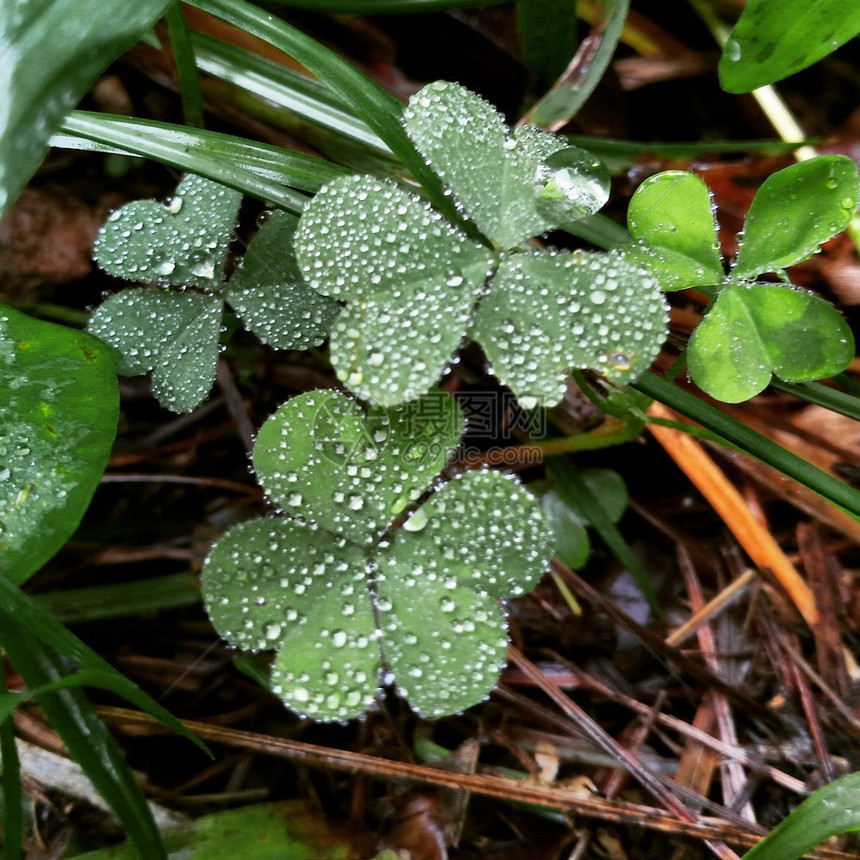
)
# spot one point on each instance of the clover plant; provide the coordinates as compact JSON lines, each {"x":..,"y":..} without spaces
{"x":414,"y":284}
{"x":369,"y":580}
{"x":752,"y":329}
{"x":183,"y":243}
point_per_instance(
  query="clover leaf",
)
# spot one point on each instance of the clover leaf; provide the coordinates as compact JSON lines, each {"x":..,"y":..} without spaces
{"x":184,"y":243}
{"x":415,"y":285}
{"x":350,"y":603}
{"x":752,"y":330}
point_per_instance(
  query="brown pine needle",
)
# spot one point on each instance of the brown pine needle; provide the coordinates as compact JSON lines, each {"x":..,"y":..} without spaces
{"x":756,"y":540}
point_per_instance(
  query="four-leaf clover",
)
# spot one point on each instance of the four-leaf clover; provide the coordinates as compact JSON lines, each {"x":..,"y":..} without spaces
{"x":368,"y":580}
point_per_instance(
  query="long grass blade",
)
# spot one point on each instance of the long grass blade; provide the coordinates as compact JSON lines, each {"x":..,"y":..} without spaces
{"x":13,"y":819}
{"x":186,"y":67}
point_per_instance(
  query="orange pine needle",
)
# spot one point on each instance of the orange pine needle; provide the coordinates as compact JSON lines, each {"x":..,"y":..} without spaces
{"x":756,"y":540}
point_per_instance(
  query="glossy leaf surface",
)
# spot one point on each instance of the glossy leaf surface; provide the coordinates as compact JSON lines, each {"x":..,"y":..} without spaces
{"x":59,"y":405}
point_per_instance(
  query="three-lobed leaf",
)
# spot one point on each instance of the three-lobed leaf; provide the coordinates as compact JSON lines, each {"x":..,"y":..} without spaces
{"x":752,"y":331}
{"x":59,"y":405}
{"x":347,"y":606}
{"x":184,"y":242}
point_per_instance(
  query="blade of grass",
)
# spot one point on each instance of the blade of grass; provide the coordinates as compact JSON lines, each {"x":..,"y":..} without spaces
{"x":17,"y":609}
{"x":255,"y":169}
{"x":85,"y":736}
{"x":13,"y":819}
{"x":750,"y":442}
{"x":380,"y":110}
{"x":186,"y":68}
{"x":583,"y":74}
{"x":758,"y":542}
{"x":822,"y":395}
{"x":575,"y":492}
{"x":548,"y":38}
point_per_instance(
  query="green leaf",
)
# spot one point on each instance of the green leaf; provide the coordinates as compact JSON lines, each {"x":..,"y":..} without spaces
{"x":50,"y":53}
{"x":754,"y":330}
{"x":410,"y":281}
{"x":175,"y":335}
{"x":267,"y":291}
{"x":441,"y":635}
{"x":183,"y":241}
{"x":11,"y":796}
{"x":571,"y":184}
{"x":278,"y":582}
{"x":58,"y":413}
{"x":548,"y":313}
{"x":568,"y":519}
{"x":795,"y":211}
{"x":490,"y":170}
{"x":673,"y":214}
{"x":828,"y":812}
{"x":321,"y":458}
{"x":776,"y":38}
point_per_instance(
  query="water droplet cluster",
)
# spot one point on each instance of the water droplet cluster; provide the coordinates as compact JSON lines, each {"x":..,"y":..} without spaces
{"x":348,"y":600}
{"x":184,"y":242}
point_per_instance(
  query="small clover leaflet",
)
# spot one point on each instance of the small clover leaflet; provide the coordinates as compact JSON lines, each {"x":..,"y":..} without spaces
{"x":348,"y":600}
{"x":752,"y":330}
{"x":184,"y":243}
{"x":415,"y":285}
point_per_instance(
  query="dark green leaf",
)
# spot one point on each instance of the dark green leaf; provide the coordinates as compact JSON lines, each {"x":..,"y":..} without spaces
{"x":776,"y":38}
{"x":754,"y":330}
{"x":268,"y":292}
{"x":175,"y":335}
{"x":183,"y":56}
{"x":796,"y":210}
{"x":50,"y":53}
{"x":58,"y":412}
{"x":548,"y":38}
{"x":12,"y":821}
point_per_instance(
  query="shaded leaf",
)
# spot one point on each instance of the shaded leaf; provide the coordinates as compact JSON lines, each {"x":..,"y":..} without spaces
{"x":175,"y":335}
{"x":796,"y":210}
{"x":489,"y":169}
{"x":183,"y":241}
{"x":775,"y":39}
{"x":321,"y":458}
{"x":50,"y":54}
{"x":673,"y":214}
{"x":755,"y":330}
{"x":268,"y":292}
{"x":410,"y":281}
{"x":59,"y":405}
{"x":548,"y":313}
{"x":548,"y":38}
{"x":280,"y":583}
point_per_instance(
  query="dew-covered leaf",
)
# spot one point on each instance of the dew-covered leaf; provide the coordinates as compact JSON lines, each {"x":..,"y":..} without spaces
{"x":321,"y":458}
{"x":444,"y":637}
{"x":490,"y":170}
{"x":58,"y":412}
{"x":409,"y":279}
{"x":181,"y":241}
{"x":672,"y":215}
{"x":549,"y":313}
{"x":571,"y":184}
{"x":279,"y":583}
{"x":796,"y":210}
{"x":755,"y":330}
{"x":773,"y":40}
{"x":268,"y":292}
{"x":175,"y":335}
{"x":569,"y":522}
